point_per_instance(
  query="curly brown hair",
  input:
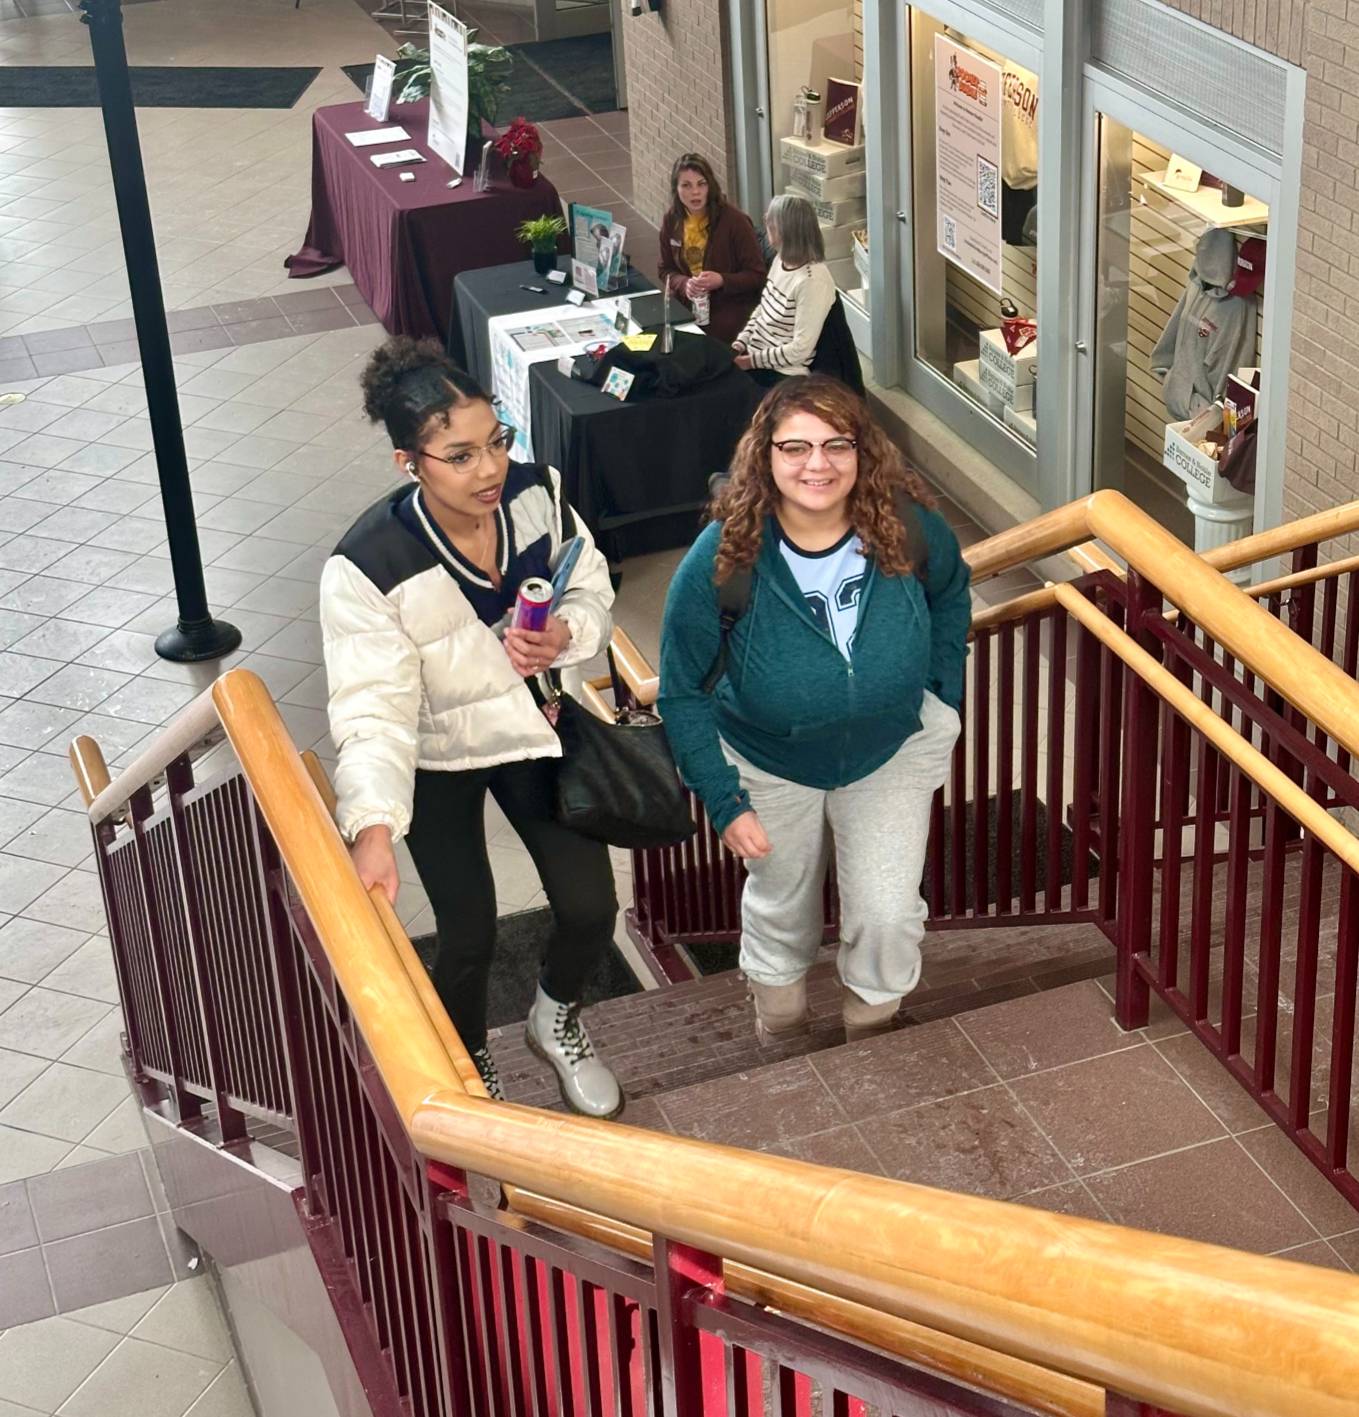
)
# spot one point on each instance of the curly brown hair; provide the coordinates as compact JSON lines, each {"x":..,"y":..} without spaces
{"x":749,"y":496}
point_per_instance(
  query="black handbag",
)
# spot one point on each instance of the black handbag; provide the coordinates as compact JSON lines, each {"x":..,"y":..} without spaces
{"x":616,"y":782}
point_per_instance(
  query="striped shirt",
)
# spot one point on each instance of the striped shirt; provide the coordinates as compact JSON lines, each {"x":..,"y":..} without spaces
{"x":783,"y":332}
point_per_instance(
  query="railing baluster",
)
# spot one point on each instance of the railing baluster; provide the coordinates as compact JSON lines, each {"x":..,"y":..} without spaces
{"x":123,"y":965}
{"x":957,"y":819}
{"x":1201,"y":907}
{"x":1005,"y":765}
{"x":680,"y":1270}
{"x":1056,"y":751}
{"x":1028,"y":752}
{"x":588,"y":1329}
{"x":1310,"y":879}
{"x":1084,"y":745}
{"x":981,"y":776}
{"x":1234,"y":936}
{"x":1279,"y":829}
{"x":178,"y":782}
{"x":1137,"y":828}
{"x":187,"y":1106}
{"x":1342,"y":1024}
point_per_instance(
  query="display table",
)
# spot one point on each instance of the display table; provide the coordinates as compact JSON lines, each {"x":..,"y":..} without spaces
{"x":404,"y":242}
{"x":638,"y":472}
{"x":479,"y":296}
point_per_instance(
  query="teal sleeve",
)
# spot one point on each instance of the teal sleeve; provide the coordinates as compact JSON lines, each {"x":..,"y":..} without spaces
{"x":690,"y":640}
{"x":946,"y":589}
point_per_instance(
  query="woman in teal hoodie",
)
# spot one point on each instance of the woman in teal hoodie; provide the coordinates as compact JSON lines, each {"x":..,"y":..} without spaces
{"x":835,"y":716}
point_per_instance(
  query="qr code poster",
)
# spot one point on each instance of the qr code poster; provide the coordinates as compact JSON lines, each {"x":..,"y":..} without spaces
{"x":988,"y":187}
{"x":968,"y":106}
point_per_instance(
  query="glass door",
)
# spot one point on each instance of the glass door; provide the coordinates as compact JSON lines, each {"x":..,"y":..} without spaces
{"x":1175,"y":294}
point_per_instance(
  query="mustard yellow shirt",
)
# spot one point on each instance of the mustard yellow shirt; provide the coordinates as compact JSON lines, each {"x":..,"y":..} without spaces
{"x":695,"y":241}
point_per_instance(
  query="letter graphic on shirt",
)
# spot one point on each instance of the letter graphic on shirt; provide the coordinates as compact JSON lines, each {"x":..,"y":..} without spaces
{"x":821,"y":613}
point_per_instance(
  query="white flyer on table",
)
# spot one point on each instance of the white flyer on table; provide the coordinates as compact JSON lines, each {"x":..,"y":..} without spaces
{"x":374,"y":137}
{"x":448,"y":87}
{"x":380,"y":95}
{"x":967,"y":116}
{"x":530,"y":336}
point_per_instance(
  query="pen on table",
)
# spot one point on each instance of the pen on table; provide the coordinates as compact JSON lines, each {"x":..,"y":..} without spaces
{"x":536,"y":289}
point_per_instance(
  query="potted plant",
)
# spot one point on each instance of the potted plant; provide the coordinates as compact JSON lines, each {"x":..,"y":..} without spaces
{"x":522,"y":149}
{"x":541,"y":234}
{"x":488,"y":80}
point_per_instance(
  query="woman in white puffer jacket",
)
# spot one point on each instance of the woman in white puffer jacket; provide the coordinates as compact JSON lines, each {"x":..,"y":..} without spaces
{"x":430,"y":710}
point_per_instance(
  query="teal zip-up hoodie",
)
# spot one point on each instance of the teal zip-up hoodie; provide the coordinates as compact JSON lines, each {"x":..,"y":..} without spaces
{"x":790,"y":702}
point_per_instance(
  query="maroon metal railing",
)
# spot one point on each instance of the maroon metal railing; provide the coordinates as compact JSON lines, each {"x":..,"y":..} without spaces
{"x":449,"y":1310}
{"x":1239,"y":921}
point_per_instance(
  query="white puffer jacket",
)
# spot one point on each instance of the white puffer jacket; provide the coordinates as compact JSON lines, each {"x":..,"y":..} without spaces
{"x":416,"y":679}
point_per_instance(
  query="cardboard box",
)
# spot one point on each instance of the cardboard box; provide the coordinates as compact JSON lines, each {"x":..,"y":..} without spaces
{"x":843,"y":274}
{"x":1025,"y":424}
{"x":1009,"y":376}
{"x":1196,"y":469}
{"x":824,"y":159}
{"x":840,"y":211}
{"x":819,"y":187}
{"x":839,"y":242}
{"x":966,"y":375}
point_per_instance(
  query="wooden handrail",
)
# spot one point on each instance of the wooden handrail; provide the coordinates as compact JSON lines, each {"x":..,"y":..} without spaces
{"x":1322,"y":691}
{"x":1327,"y":570}
{"x":1134,"y":1312}
{"x":642,"y":680}
{"x":1062,"y":530}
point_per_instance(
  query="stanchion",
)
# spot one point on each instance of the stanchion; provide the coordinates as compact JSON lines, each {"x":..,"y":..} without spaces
{"x":196,"y":636}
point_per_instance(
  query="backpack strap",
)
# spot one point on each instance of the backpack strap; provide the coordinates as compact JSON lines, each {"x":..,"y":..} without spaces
{"x":917,"y":547}
{"x":564,"y":513}
{"x":733,"y":600}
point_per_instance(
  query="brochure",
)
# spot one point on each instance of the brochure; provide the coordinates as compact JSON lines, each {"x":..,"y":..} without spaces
{"x":380,"y":95}
{"x":373,"y":137}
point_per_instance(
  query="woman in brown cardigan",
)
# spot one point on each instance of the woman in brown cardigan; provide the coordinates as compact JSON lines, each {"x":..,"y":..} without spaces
{"x":709,"y":245}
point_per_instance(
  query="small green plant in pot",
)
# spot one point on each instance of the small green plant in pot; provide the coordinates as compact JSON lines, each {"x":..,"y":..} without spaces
{"x":541,"y":234}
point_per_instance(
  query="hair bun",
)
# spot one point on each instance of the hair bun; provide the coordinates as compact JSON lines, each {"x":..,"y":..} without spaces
{"x":389,"y":364}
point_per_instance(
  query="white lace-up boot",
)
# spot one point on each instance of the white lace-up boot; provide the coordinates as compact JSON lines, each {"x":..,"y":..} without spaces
{"x":490,"y":1074}
{"x":556,"y":1034}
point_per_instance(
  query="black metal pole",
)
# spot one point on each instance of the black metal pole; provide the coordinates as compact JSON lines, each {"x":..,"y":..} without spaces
{"x":197,"y":635}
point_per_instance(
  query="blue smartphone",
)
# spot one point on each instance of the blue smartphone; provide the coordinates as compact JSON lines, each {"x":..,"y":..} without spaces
{"x":566,"y":563}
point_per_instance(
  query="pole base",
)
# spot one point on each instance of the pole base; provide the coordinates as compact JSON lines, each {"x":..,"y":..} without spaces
{"x":189,"y":642}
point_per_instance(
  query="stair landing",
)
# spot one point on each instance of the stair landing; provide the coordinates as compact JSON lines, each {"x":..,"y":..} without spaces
{"x":1040,"y":1099}
{"x":689,"y":1033}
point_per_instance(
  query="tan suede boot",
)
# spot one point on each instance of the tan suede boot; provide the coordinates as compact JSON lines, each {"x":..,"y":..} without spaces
{"x":863,"y":1020}
{"x":779,"y":1008}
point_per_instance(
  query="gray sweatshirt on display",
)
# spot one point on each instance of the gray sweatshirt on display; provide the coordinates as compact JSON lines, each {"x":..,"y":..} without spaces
{"x":1210,"y":335}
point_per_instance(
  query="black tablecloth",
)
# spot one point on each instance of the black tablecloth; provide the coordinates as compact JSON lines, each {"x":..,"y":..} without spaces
{"x":477,"y":295}
{"x":637,"y":472}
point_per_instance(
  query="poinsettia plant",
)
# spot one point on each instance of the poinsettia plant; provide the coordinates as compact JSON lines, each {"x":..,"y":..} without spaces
{"x":519,"y":140}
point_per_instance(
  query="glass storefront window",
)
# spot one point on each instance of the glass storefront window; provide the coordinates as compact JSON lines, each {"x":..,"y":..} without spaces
{"x":975,"y":166}
{"x":815,"y":83}
{"x":1180,"y":266}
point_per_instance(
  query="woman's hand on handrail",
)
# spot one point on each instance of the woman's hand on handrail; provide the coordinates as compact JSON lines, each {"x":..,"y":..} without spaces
{"x":375,"y":860}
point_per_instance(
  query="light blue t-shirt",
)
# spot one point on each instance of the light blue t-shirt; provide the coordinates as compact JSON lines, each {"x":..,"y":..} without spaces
{"x":830,"y":580}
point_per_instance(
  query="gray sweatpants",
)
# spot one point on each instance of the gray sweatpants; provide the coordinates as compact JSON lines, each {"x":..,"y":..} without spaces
{"x":879,"y":826}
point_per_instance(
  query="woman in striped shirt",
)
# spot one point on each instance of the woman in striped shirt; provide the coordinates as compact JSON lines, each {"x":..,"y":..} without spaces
{"x":780,"y":338}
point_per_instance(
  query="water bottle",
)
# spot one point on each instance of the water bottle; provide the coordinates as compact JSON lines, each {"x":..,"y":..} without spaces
{"x":701,"y":306}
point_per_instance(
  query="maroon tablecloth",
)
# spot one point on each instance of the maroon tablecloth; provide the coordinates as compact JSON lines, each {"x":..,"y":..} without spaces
{"x":403,"y":242}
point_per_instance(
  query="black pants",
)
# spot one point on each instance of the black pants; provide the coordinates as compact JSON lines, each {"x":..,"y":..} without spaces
{"x":448,"y":844}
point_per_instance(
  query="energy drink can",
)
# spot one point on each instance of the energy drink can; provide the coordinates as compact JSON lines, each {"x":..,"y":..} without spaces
{"x":532,"y":604}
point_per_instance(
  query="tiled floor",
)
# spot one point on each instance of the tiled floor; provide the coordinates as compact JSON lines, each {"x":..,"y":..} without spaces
{"x":161,"y":1352}
{"x":1039,"y":1099}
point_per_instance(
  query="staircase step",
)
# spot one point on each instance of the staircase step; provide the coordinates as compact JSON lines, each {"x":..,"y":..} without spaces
{"x":690,"y":1033}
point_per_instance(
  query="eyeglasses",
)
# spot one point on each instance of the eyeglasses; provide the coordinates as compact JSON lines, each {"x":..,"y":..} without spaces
{"x":798,"y":450}
{"x":469,"y":459}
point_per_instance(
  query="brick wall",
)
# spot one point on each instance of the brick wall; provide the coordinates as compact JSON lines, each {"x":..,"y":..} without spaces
{"x":678,"y":98}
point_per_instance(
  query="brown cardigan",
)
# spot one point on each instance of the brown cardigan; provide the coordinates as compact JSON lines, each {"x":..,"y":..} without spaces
{"x":734,"y":253}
